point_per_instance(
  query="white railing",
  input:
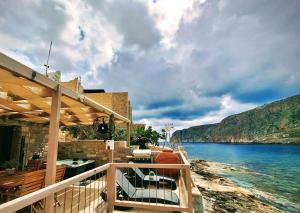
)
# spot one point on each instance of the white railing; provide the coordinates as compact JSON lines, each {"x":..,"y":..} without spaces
{"x":96,"y":191}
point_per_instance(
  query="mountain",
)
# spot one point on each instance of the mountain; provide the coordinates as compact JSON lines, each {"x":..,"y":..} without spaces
{"x":276,"y":122}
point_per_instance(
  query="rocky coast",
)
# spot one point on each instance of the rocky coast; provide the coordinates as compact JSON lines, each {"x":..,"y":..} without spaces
{"x":222,"y":195}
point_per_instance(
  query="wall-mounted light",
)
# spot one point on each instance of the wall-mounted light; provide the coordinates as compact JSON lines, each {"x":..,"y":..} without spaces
{"x":33,"y":75}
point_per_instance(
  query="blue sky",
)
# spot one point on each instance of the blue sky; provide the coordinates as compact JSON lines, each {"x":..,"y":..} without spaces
{"x":188,"y":62}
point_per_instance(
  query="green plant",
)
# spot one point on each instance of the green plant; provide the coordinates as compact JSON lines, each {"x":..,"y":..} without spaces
{"x":84,"y":132}
{"x":9,"y":164}
{"x":120,"y":134}
{"x":143,"y":135}
{"x":139,"y":136}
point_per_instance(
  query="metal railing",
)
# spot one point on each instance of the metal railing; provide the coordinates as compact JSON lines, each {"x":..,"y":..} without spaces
{"x":164,"y":192}
{"x":115,"y":185}
{"x":131,"y":186}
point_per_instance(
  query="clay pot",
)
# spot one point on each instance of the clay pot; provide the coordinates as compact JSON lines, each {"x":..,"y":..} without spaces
{"x":167,"y":156}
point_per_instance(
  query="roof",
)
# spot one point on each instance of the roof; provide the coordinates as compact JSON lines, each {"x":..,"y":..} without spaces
{"x":94,"y":91}
{"x":26,"y":95}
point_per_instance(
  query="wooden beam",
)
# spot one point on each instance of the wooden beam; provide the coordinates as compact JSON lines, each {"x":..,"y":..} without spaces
{"x":154,"y":207}
{"x":19,"y":91}
{"x":26,"y":93}
{"x":52,"y":146}
{"x":14,"y":67}
{"x":11,"y":105}
{"x":35,"y":119}
{"x":10,"y":68}
{"x":20,"y":81}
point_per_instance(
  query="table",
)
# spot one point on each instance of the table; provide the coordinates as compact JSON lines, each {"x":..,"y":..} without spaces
{"x":76,"y":167}
{"x":11,"y":181}
{"x":141,"y":153}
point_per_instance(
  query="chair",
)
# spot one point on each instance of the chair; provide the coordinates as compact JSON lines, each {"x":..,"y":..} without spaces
{"x":60,"y":173}
{"x":33,"y":165}
{"x":143,"y":180}
{"x":143,"y":195}
{"x":32,"y":181}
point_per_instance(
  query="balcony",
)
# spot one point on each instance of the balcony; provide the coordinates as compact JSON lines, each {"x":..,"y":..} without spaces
{"x":115,"y":187}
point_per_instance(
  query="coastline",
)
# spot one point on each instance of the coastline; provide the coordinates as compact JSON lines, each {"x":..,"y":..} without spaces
{"x":220,"y":194}
{"x":296,"y":143}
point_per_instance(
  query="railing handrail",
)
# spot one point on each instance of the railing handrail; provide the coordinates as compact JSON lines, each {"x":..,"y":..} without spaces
{"x":21,"y":202}
{"x":185,"y":161}
{"x":150,"y":166}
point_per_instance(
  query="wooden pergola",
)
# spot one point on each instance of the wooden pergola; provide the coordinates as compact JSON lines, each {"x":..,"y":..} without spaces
{"x":27,"y":95}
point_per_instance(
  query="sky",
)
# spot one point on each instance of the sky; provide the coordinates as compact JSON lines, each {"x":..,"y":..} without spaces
{"x":186,"y":62}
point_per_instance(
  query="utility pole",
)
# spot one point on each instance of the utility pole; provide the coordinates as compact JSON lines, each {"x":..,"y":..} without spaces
{"x":47,"y":65}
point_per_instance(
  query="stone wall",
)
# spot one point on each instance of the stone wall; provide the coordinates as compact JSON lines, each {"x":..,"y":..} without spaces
{"x":92,"y":149}
{"x":34,"y":137}
{"x":116,"y":101}
{"x":38,"y":141}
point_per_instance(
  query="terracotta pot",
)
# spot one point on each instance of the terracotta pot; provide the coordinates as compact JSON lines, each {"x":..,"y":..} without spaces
{"x":167,"y":156}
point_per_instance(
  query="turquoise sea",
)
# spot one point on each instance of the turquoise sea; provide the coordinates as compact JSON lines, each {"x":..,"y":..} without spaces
{"x":274,"y":169}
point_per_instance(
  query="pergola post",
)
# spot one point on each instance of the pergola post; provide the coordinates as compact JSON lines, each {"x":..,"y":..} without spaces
{"x":128,"y":133}
{"x":111,"y":187}
{"x":52,"y":146}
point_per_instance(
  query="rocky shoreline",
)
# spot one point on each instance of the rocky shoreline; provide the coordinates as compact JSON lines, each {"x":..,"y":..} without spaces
{"x":262,"y":142}
{"x":222,"y":195}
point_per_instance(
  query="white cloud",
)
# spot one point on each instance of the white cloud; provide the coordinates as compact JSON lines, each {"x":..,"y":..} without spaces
{"x":169,"y":14}
{"x":19,"y":57}
{"x":228,"y":106}
{"x":176,"y":59}
{"x":101,"y":38}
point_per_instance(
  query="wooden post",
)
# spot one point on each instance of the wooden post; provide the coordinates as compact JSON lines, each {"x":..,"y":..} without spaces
{"x":111,"y":187}
{"x":188,"y":181}
{"x":110,"y":156}
{"x":128,"y":134}
{"x":52,"y":146}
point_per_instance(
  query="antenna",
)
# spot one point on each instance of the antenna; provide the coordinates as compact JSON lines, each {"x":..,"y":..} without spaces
{"x":46,"y":65}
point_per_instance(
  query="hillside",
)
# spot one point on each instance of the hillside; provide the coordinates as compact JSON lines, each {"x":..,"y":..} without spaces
{"x":277,"y":122}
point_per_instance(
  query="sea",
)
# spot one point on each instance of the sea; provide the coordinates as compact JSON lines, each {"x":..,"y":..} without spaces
{"x":274,"y":169}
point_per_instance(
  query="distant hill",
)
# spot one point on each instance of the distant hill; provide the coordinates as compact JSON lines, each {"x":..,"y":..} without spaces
{"x":277,"y":122}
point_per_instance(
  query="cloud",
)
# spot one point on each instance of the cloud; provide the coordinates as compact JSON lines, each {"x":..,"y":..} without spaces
{"x":188,"y":62}
{"x":239,"y":45}
{"x":132,"y":20}
{"x":168,"y":20}
{"x":228,"y":107}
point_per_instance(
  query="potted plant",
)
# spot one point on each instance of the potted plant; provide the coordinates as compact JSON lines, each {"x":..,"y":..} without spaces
{"x":36,"y":157}
{"x":10,"y":167}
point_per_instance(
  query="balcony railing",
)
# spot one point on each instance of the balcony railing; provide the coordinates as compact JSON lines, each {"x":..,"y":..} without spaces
{"x":115,"y":185}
